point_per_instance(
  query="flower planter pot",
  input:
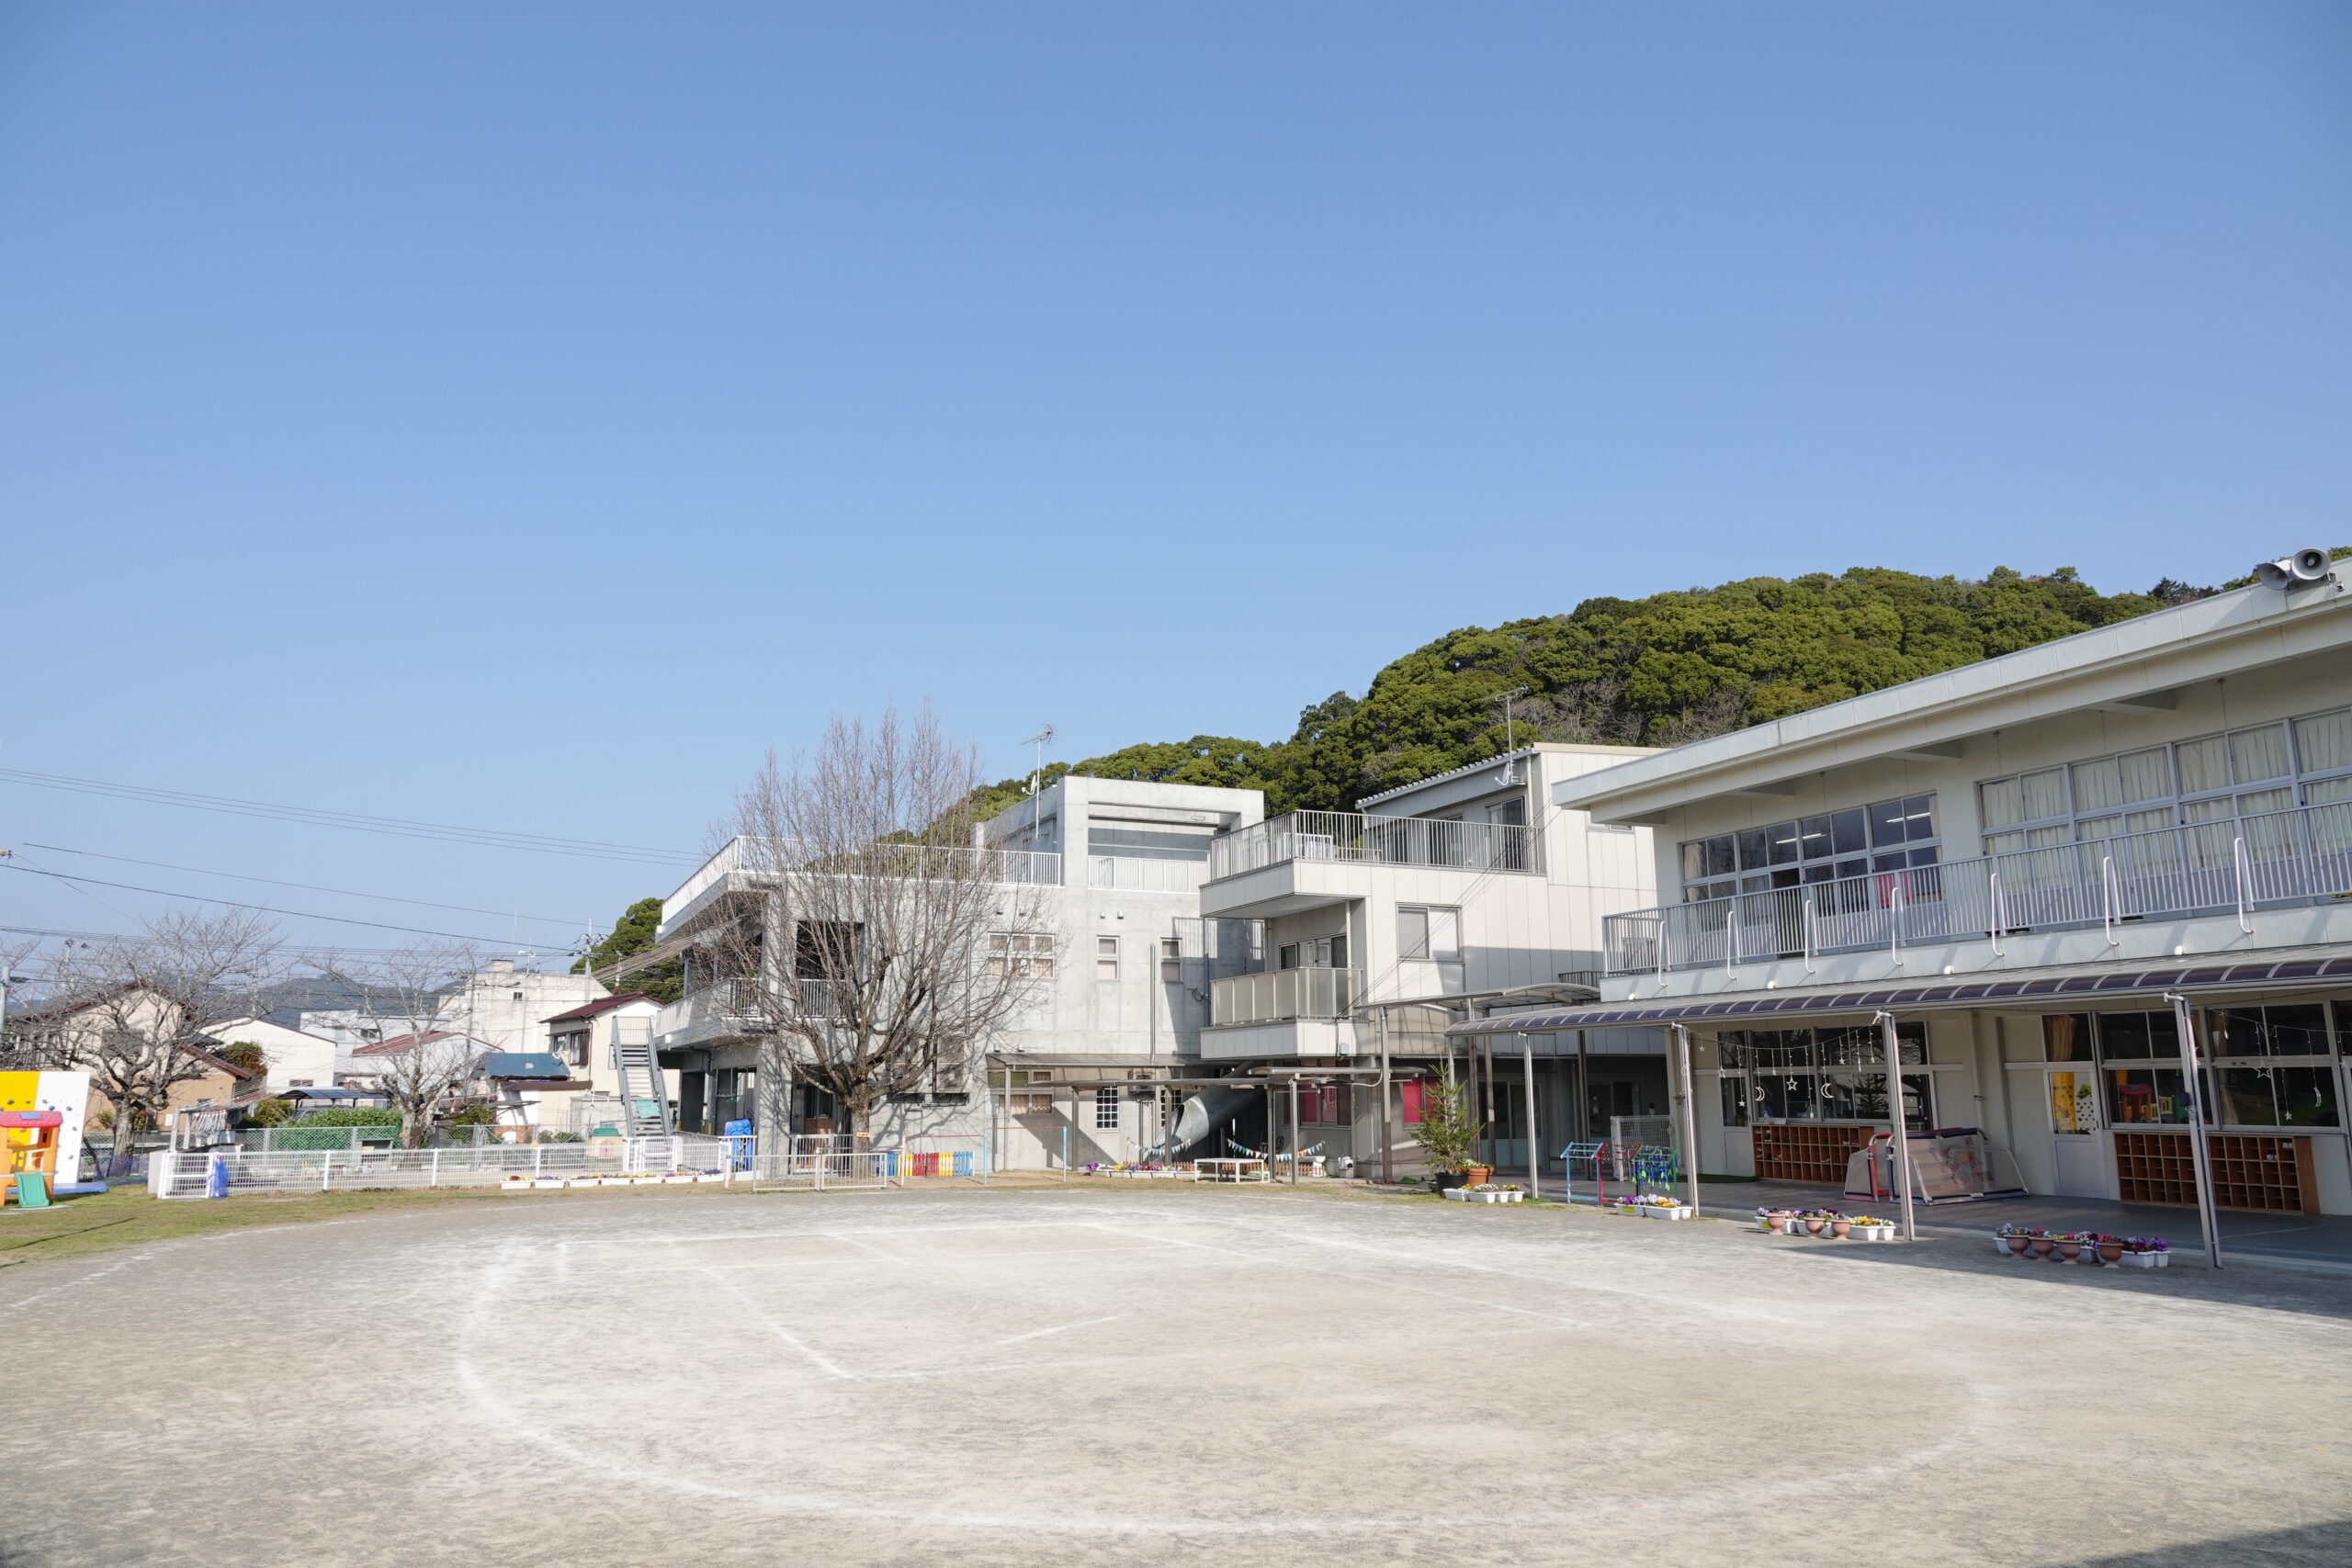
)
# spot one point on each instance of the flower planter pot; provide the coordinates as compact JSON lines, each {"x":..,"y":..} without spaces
{"x":1664,"y":1210}
{"x":2110,"y":1252}
{"x":1792,"y":1226}
{"x":1446,"y":1180}
{"x":1477,"y":1175}
{"x":2146,"y":1260}
{"x":2069,"y":1251}
{"x":1841,"y":1229}
{"x":2042,"y":1248}
{"x":515,"y":1184}
{"x":1813,"y":1226}
{"x":547,"y":1183}
{"x":2017,"y":1244}
{"x":1467,"y":1195}
{"x":1879,"y":1233}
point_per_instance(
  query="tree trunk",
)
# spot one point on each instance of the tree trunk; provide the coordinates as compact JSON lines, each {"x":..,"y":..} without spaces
{"x":125,"y":1119}
{"x":413,"y":1129}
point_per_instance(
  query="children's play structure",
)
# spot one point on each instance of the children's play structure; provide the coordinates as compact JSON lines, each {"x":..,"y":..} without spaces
{"x":40,"y":1134}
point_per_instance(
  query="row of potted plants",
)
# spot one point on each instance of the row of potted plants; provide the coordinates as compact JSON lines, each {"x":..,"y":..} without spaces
{"x":634,"y":1178}
{"x":1486,"y":1193}
{"x":2082,"y":1247}
{"x":1829,"y":1224}
{"x":1653,"y":1206}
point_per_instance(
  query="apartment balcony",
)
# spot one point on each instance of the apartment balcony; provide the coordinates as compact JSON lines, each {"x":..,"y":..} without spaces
{"x":2218,"y":869}
{"x":1283,"y":994}
{"x":743,"y":863}
{"x":1306,"y":858}
{"x":726,"y":1009}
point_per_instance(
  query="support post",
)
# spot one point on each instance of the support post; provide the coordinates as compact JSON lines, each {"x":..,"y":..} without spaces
{"x":1686,"y":1131}
{"x":1901,"y":1148}
{"x":1584,"y":1087}
{"x":1294,"y":1129}
{"x":1066,"y":1152}
{"x":433,"y":1176}
{"x":1534,"y":1144}
{"x":2200,"y":1156}
{"x":1387,"y":1140}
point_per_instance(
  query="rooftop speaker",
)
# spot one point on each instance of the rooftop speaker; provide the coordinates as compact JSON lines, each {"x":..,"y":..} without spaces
{"x":2301,"y":569}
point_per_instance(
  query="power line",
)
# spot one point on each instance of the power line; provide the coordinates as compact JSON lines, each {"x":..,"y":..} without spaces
{"x":233,"y":904}
{"x":571,"y":925}
{"x":491,"y":838}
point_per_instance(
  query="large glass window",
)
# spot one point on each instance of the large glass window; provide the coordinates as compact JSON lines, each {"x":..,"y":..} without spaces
{"x":2219,"y":778}
{"x":2265,"y":1066}
{"x":1819,"y":1075}
{"x":1888,"y":835}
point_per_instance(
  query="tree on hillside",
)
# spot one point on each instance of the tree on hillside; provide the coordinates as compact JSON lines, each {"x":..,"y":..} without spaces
{"x":1663,"y":670}
{"x":874,"y":951}
{"x":633,"y":933}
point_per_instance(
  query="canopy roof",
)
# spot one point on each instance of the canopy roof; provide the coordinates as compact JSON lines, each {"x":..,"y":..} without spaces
{"x":2108,"y":985}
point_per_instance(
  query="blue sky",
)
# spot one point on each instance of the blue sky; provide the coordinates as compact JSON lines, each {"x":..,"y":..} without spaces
{"x":525,"y":415}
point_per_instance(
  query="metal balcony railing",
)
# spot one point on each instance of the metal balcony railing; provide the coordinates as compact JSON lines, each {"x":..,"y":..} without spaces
{"x":755,"y":856}
{"x":2279,"y":858}
{"x":1383,"y":841}
{"x":1283,"y":994}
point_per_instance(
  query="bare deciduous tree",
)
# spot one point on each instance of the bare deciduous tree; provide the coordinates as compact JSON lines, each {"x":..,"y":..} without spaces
{"x":418,"y":1002}
{"x":124,"y":1009}
{"x":873,"y":947}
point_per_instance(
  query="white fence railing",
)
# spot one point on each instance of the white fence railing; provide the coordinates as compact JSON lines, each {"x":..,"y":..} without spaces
{"x":1380,"y":841}
{"x":1283,"y":994}
{"x":2283,"y":857}
{"x":756,"y":857}
{"x":813,"y":1164}
{"x":1127,"y":873}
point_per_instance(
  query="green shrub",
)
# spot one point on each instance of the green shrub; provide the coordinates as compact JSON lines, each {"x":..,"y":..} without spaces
{"x":270,"y":1113}
{"x":350,"y":1116}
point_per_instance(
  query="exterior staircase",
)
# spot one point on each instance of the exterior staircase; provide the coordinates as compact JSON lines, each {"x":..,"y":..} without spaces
{"x":645,"y":1107}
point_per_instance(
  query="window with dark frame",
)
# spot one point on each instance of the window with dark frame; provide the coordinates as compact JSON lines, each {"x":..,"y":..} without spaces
{"x":1888,"y":835}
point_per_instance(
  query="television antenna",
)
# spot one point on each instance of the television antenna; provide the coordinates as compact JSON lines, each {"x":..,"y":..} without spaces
{"x":1510,"y":774}
{"x":1045,"y":734}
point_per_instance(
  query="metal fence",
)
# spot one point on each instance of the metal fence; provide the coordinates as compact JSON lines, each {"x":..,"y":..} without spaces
{"x":196,"y":1173}
{"x":2279,"y":858}
{"x":1384,"y":840}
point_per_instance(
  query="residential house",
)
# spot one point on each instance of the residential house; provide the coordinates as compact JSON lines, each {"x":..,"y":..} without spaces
{"x":293,"y":1057}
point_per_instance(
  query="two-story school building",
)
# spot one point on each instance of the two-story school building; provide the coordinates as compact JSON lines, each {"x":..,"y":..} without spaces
{"x":1183,"y":942}
{"x":2024,"y":861}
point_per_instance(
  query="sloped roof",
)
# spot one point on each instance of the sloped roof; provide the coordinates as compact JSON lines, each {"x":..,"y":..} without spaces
{"x":398,"y":1043}
{"x":600,"y":1005}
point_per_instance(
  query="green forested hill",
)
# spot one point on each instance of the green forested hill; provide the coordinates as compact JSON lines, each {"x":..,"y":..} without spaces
{"x":1660,"y":671}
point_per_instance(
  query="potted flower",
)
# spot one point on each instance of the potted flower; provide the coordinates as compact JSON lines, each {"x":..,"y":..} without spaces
{"x":1840,"y":1226}
{"x":1816,"y":1221}
{"x":2111,"y":1249}
{"x":1771,"y":1220}
{"x":2070,"y":1249}
{"x":2042,"y":1246}
{"x":1662,"y":1206}
{"x":2146,"y":1252}
{"x":1867,"y":1227}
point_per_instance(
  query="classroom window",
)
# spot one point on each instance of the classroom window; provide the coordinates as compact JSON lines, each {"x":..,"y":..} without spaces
{"x":1024,"y":954}
{"x":1106,"y":1108}
{"x":1106,"y":958}
{"x":1887,"y":835}
{"x":1428,"y":933}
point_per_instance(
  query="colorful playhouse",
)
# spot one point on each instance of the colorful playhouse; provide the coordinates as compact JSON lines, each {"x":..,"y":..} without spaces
{"x":40,"y":1128}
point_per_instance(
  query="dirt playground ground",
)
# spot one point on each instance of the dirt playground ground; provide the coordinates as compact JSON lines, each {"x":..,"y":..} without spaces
{"x":1098,"y":1374}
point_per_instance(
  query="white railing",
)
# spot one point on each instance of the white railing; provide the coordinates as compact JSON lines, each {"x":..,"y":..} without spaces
{"x":1283,"y":994}
{"x":1382,"y":841}
{"x":756,"y":857}
{"x":191,"y":1174}
{"x":2282,"y":857}
{"x":1126,"y":874}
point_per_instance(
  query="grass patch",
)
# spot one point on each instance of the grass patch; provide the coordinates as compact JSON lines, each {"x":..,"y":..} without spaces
{"x":78,"y":1227}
